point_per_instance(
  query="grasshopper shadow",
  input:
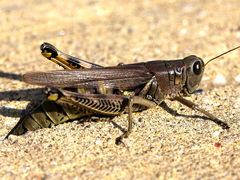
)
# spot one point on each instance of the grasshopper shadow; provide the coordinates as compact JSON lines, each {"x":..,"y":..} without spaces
{"x":170,"y":111}
{"x":175,"y":113}
{"x":17,"y":95}
{"x":34,"y":95}
{"x":10,"y":112}
{"x":11,"y":76}
{"x":22,"y":95}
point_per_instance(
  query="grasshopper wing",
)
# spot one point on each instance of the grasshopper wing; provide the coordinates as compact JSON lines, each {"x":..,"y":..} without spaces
{"x":123,"y":77}
{"x":66,"y":61}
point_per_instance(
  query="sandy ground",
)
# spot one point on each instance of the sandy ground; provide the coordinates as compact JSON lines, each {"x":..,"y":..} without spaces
{"x":161,"y":146}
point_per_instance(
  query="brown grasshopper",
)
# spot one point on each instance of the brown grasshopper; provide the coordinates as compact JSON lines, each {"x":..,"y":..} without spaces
{"x":86,"y":89}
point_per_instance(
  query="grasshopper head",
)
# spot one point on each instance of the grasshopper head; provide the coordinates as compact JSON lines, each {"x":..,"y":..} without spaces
{"x":194,"y":71}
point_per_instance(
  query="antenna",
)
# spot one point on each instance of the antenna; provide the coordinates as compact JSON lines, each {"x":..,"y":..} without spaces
{"x":222,"y":54}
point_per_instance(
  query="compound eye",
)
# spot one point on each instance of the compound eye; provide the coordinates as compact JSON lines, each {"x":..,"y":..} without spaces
{"x":197,"y":67}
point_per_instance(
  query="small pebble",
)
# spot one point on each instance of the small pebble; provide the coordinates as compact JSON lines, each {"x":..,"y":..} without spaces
{"x":8,"y":107}
{"x":237,"y":78}
{"x":98,"y":142}
{"x":182,"y":150}
{"x":10,"y":122}
{"x":205,"y":78}
{"x":216,"y":133}
{"x":220,"y":80}
{"x":13,"y":138}
{"x":235,"y":106}
{"x":217,"y":144}
{"x":198,"y":92}
{"x":188,"y":7}
{"x":183,"y":32}
{"x":202,"y":33}
{"x":61,"y":33}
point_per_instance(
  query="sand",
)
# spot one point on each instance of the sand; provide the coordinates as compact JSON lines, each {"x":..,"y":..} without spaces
{"x":161,"y":146}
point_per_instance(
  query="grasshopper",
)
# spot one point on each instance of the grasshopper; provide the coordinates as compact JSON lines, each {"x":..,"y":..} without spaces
{"x":87,"y":89}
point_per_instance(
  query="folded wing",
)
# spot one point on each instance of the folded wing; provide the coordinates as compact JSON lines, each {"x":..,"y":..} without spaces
{"x":123,"y":77}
